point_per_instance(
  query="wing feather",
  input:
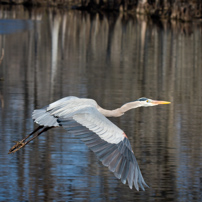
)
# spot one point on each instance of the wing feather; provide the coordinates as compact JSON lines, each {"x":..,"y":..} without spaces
{"x":115,"y":162}
{"x":104,"y":155}
{"x":125,"y":172}
{"x":130,"y":176}
{"x":110,"y":157}
{"x":98,"y":147}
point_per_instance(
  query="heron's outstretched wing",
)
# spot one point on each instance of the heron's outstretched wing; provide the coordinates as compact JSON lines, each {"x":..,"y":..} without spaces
{"x":108,"y":142}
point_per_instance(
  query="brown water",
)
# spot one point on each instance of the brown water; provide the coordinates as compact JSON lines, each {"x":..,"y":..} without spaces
{"x":50,"y":54}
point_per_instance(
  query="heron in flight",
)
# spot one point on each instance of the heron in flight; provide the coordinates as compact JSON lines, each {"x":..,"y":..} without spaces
{"x":87,"y":121}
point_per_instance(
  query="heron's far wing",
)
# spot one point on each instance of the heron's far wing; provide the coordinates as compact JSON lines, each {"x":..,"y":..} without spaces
{"x":44,"y":117}
{"x":108,"y":142}
{"x":61,"y":102}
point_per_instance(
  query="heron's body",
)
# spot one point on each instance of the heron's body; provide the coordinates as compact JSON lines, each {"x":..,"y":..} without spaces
{"x":73,"y":111}
{"x":87,"y":120}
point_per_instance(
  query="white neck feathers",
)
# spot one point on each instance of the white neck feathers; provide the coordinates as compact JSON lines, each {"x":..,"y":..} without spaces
{"x":119,"y":111}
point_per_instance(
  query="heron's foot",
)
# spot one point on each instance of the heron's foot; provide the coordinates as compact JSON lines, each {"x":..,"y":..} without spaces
{"x":17,"y":147}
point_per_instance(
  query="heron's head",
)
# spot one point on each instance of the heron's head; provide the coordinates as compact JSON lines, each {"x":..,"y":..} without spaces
{"x":146,"y":102}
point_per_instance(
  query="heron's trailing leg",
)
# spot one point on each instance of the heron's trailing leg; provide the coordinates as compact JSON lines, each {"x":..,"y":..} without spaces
{"x":22,"y":143}
{"x":19,"y":143}
{"x":44,"y":130}
{"x":32,"y":133}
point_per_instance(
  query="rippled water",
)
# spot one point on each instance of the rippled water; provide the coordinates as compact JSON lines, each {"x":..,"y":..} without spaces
{"x":113,"y":59}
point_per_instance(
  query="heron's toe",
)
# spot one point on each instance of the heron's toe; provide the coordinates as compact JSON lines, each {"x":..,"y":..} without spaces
{"x":16,"y":147}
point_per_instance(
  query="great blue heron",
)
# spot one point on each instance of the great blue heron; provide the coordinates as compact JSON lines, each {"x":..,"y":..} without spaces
{"x":87,"y":120}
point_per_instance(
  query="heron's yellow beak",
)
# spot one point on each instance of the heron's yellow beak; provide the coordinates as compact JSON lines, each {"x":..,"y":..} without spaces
{"x":160,"y":102}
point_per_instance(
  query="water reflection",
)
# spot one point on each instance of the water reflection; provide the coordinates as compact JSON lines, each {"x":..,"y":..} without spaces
{"x":112,"y":59}
{"x":8,"y":26}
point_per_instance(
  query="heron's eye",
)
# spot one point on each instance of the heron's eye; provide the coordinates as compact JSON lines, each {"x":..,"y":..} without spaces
{"x":147,"y":100}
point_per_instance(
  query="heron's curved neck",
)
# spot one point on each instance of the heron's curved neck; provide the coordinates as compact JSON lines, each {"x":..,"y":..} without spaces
{"x":119,"y":111}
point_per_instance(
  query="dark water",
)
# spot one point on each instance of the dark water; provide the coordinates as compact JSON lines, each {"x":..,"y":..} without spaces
{"x":113,"y":59}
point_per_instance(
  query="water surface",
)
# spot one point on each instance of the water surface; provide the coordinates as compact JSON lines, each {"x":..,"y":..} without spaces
{"x":114,"y":59}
